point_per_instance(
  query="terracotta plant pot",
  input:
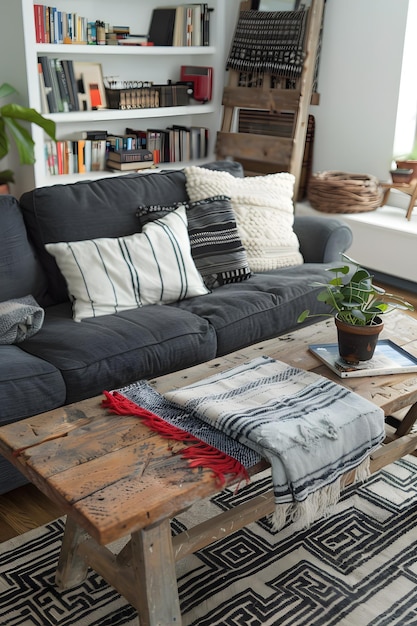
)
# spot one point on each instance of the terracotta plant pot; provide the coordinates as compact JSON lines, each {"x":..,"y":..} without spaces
{"x":401,"y":176}
{"x":357,"y":343}
{"x":408,"y":165}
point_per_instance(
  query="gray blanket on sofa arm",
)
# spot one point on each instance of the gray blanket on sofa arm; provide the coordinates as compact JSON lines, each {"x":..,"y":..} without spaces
{"x":19,"y":319}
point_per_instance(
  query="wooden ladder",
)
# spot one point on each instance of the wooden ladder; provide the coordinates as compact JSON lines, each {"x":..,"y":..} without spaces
{"x":267,"y":153}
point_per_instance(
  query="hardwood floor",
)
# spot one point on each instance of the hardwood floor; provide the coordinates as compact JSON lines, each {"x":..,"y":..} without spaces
{"x":26,"y":507}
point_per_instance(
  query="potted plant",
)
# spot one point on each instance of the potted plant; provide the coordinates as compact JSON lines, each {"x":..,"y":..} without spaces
{"x":10,"y":117}
{"x":357,"y":305}
{"x":408,"y":161}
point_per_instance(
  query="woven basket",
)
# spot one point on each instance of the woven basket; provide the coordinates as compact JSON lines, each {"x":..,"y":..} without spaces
{"x":340,"y":192}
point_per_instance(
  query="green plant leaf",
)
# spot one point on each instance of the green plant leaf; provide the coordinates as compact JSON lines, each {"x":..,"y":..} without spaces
{"x":343,"y":269}
{"x":24,"y":142}
{"x":360,"y":275}
{"x":6,"y":176}
{"x":24,"y":114}
{"x":4,"y":142}
{"x":303,"y":316}
{"x":6,"y":90}
{"x":11,"y":116}
{"x":337,"y":281}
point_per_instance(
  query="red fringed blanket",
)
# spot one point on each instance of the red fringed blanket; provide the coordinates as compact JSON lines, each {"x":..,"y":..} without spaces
{"x":197,"y":453}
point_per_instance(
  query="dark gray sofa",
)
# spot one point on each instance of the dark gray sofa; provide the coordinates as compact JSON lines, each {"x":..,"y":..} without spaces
{"x":67,"y":361}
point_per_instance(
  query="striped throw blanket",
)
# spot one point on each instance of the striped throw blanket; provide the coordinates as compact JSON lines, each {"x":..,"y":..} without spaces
{"x":310,"y":429}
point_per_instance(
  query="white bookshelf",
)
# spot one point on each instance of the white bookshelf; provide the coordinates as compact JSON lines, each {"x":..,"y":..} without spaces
{"x":156,"y":64}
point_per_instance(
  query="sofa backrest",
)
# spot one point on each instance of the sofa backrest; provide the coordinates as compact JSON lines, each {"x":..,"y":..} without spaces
{"x":89,"y":210}
{"x":21,"y":274}
{"x":100,"y":208}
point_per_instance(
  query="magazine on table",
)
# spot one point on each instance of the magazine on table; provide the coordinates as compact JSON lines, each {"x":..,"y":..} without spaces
{"x":388,"y":359}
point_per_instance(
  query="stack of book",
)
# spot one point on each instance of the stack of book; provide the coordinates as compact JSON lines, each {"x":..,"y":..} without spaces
{"x":129,"y":160}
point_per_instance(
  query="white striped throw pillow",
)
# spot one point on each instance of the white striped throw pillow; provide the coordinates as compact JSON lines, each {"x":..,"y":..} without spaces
{"x":107,"y":275}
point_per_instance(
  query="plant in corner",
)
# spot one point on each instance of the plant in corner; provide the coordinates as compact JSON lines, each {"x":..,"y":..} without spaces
{"x":10,"y":117}
{"x":357,"y":304}
{"x":408,"y":161}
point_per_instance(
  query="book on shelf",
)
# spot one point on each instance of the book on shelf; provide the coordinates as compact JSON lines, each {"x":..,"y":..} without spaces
{"x":81,"y":156}
{"x":133,"y":40}
{"x":389,"y":358}
{"x":68,"y":67}
{"x":88,"y":134}
{"x":130,"y":156}
{"x":42,"y":90}
{"x":206,"y":24}
{"x":139,"y":134}
{"x":161,"y":29}
{"x":125,"y":167}
{"x":63,"y":86}
{"x":39,"y":15}
{"x":98,"y":155}
{"x":154,"y":143}
{"x":183,"y":141}
{"x":47,"y":78}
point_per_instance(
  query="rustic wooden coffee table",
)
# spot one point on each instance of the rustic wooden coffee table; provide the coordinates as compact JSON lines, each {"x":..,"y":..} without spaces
{"x":114,"y":478}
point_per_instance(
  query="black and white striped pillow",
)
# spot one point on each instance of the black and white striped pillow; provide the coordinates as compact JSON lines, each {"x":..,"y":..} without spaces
{"x":106,"y":276}
{"x":216,"y":246}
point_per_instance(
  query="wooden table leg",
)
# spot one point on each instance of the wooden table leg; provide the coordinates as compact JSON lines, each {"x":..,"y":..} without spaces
{"x":413,"y":200}
{"x":407,"y":422}
{"x":155,"y":578}
{"x":72,"y":568}
{"x":147,"y":579}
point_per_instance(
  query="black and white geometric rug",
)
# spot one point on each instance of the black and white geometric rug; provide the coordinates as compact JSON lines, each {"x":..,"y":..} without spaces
{"x":357,"y":567}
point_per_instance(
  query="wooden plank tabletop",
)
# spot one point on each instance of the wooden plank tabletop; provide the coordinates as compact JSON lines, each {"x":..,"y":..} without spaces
{"x":114,"y":476}
{"x":110,"y":472}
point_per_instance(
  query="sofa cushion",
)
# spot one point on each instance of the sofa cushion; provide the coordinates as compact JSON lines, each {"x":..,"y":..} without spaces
{"x":20,"y":272}
{"x":28,"y":384}
{"x":262,"y":307}
{"x":264,"y":213}
{"x":110,"y":351}
{"x":215,"y":243}
{"x":94,"y":209}
{"x":108,"y":275}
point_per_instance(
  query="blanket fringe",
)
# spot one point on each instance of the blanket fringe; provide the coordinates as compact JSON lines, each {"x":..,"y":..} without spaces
{"x":318,"y":504}
{"x":199,"y":454}
{"x":302,"y":514}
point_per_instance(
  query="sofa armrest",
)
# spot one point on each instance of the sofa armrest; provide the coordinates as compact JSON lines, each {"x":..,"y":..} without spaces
{"x":322,"y":239}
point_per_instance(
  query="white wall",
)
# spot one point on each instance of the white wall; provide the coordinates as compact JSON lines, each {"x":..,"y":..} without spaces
{"x":359,"y":82}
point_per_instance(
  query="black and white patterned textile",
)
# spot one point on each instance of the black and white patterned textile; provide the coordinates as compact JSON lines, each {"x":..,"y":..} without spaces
{"x":311,"y":430}
{"x":270,"y":42}
{"x":145,"y":396}
{"x":355,"y":568}
{"x":216,"y":247}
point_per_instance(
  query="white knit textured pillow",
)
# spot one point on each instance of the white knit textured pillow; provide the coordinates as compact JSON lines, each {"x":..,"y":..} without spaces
{"x":264,"y":213}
